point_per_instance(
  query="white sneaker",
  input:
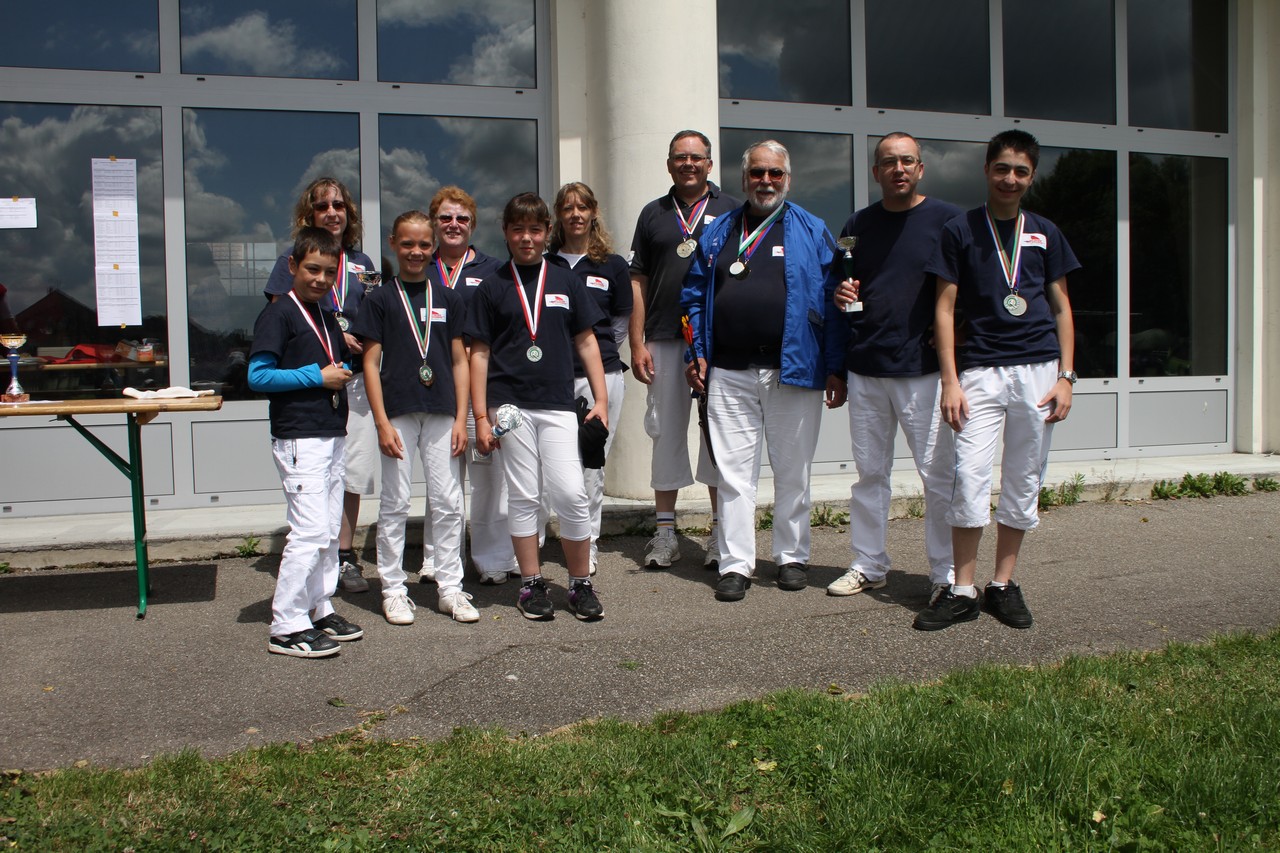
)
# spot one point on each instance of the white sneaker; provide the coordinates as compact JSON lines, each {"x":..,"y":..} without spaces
{"x":662,"y":550}
{"x":399,"y":609}
{"x":712,"y":561}
{"x":427,"y":574}
{"x":853,"y":582}
{"x":493,"y":577}
{"x":458,"y":605}
{"x":591,"y":570}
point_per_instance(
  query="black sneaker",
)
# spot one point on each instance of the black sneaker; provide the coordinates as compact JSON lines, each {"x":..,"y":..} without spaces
{"x":1006,"y":604}
{"x":732,"y":587}
{"x":946,"y":610}
{"x":534,"y":603}
{"x":584,"y":603}
{"x":350,"y":578}
{"x":792,"y":576}
{"x":312,"y":643}
{"x":338,"y":628}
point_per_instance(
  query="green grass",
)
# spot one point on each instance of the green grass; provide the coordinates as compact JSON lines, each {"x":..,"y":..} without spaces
{"x":1265,"y":484}
{"x":1164,"y":751}
{"x":1067,"y":493}
{"x":249,"y":547}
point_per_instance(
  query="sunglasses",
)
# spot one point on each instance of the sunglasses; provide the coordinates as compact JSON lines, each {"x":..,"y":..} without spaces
{"x":321,"y":206}
{"x":461,"y":219}
{"x":759,"y":172}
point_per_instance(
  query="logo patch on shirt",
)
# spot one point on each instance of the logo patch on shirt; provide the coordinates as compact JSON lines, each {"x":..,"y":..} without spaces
{"x":1035,"y":241}
{"x":778,"y":252}
{"x":708,"y":218}
{"x":473,"y":282}
{"x":598,"y":282}
{"x":439,"y":315}
{"x":557,"y":300}
{"x":354,"y":267}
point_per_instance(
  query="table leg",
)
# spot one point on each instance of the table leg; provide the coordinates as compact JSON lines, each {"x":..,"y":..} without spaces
{"x":140,"y":550}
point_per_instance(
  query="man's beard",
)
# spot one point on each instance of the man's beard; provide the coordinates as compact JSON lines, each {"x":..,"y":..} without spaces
{"x":768,"y":204}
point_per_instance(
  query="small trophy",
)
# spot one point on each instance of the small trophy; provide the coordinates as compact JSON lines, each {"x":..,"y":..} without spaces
{"x":370,"y":279}
{"x":848,"y":244}
{"x":14,"y":393}
{"x":508,"y":417}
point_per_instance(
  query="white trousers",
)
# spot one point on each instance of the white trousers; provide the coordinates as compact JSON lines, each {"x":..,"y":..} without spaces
{"x":877,"y":407}
{"x":744,"y":407}
{"x":543,"y":453}
{"x":666,"y":421}
{"x":311,"y":474}
{"x":429,"y":437}
{"x":1003,"y":397}
{"x":361,"y":456}
{"x":491,"y":549}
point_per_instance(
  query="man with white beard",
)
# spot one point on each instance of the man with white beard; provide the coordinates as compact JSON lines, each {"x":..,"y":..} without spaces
{"x":766,"y":345}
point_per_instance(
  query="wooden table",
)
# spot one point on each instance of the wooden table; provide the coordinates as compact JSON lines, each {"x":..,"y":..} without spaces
{"x":137,"y":413}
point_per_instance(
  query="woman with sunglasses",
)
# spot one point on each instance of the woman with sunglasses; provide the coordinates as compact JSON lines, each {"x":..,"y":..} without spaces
{"x":326,"y":203}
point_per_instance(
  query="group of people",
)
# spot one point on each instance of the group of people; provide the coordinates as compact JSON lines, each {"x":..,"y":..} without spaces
{"x":953,"y":325}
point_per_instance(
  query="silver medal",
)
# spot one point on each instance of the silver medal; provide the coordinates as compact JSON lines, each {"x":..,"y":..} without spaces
{"x":426,"y":375}
{"x":686,"y":248}
{"x":739,"y":269}
{"x":534,"y":353}
{"x":343,"y":323}
{"x":1015,"y":305}
{"x":333,"y":401}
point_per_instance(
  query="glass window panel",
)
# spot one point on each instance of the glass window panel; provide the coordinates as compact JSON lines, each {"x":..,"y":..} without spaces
{"x":1178,"y":64}
{"x":799,"y":54}
{"x":90,"y":36}
{"x":489,"y":43}
{"x":1178,"y":265}
{"x":49,"y":270}
{"x":492,"y":159}
{"x":929,"y":55}
{"x":243,"y":171}
{"x":1082,"y":89}
{"x":1076,"y":190}
{"x":283,"y":38}
{"x":821,"y":169}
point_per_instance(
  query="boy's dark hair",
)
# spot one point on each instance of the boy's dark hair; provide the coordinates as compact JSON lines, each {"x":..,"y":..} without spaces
{"x":312,"y":239}
{"x":525,"y":207}
{"x":684,"y":134}
{"x":1016,"y":140}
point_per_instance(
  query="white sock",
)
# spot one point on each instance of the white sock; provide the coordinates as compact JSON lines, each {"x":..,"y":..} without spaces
{"x":997,"y":584}
{"x":967,"y":591}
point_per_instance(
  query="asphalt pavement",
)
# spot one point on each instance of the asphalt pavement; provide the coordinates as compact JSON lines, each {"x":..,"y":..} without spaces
{"x":83,"y":680}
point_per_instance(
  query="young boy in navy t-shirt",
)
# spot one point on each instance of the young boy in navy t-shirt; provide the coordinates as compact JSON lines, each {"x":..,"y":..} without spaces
{"x":297,"y":360}
{"x":1006,"y":270}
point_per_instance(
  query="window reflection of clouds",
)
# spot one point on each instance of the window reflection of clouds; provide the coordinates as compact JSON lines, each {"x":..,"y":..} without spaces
{"x":821,"y":169}
{"x":481,"y":43}
{"x":117,"y":36}
{"x":295,"y":38}
{"x":801,"y":55}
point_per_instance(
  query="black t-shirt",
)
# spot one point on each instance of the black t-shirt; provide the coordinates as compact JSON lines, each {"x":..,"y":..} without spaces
{"x":890,"y":336}
{"x":653,"y":254}
{"x":750,"y":313}
{"x":384,"y":321}
{"x":496,"y":317}
{"x":609,"y":284}
{"x":282,"y":331}
{"x":474,"y":270}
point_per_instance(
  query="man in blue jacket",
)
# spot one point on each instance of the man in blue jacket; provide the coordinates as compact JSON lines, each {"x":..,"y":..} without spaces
{"x":766,"y":344}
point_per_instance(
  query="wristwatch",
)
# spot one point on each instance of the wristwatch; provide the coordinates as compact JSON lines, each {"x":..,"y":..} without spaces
{"x":1069,"y":375}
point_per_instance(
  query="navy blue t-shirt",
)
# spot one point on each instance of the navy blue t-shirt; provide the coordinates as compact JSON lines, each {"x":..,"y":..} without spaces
{"x":496,"y":317}
{"x":383,"y":321}
{"x":282,"y":331}
{"x":890,"y":336}
{"x":281,"y":282}
{"x":653,"y":254}
{"x":474,"y":270}
{"x":967,"y":255}
{"x":609,"y":284}
{"x":750,"y":313}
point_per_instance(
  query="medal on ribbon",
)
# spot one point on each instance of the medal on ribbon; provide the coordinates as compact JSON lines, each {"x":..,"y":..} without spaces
{"x":450,"y":280}
{"x":421,"y":336}
{"x":1014,"y":303}
{"x":747,"y":246}
{"x":340,"y":292}
{"x":532,"y":316}
{"x":325,"y":341}
{"x":689,"y":224}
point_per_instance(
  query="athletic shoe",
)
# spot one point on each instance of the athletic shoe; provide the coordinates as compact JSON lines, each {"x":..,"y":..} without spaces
{"x":493,"y":578}
{"x":732,"y":587}
{"x":311,"y":643}
{"x":948,"y":610}
{"x":534,"y":603}
{"x":662,"y":550}
{"x":792,"y":577}
{"x":1006,"y":604}
{"x":427,"y":574}
{"x":349,"y":577}
{"x":458,"y":605}
{"x":853,"y":582}
{"x":711,"y":562}
{"x":338,"y":628}
{"x":584,"y":603}
{"x":399,"y":609}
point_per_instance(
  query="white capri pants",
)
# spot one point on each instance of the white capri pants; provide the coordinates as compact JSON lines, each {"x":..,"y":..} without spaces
{"x":666,"y":421}
{"x":877,"y":407}
{"x":543,"y":453}
{"x":361,"y":455}
{"x":745,"y":406}
{"x":311,"y":474}
{"x":429,"y":437}
{"x":1003,"y":397}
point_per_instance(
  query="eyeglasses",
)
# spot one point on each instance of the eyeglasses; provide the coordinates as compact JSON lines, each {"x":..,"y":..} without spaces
{"x":907,"y":162}
{"x":695,"y":159}
{"x":759,"y":172}
{"x":446,"y":218}
{"x":321,"y":206}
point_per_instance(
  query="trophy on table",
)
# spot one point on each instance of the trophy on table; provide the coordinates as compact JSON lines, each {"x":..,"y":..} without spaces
{"x":14,"y":393}
{"x":848,"y":244}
